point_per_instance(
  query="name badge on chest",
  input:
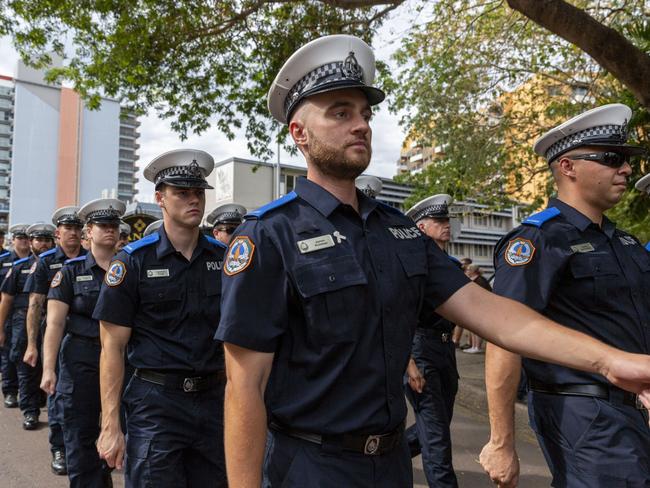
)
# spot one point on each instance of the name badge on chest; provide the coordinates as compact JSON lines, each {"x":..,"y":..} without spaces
{"x":56,"y":265}
{"x":6,"y":265}
{"x":627,"y":240}
{"x":315,"y":244}
{"x":85,"y":278}
{"x":157,"y":273}
{"x":583,"y":247}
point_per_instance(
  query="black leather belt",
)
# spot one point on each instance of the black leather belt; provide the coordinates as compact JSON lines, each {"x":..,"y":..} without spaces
{"x":370,"y":445}
{"x":611,"y":394}
{"x":443,"y":336}
{"x":91,"y":340}
{"x":180,"y":382}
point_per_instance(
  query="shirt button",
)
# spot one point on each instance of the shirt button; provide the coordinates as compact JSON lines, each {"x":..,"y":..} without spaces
{"x":332,"y":278}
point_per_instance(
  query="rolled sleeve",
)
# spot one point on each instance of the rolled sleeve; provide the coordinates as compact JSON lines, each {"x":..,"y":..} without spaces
{"x":444,"y":277}
{"x":61,"y":288}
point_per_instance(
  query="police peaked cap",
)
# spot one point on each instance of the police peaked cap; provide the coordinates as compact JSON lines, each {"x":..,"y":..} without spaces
{"x":602,"y":127}
{"x":325,"y":64}
{"x":643,"y":184}
{"x":67,"y":216}
{"x":18,"y":230}
{"x":436,"y":207}
{"x":185,"y":168}
{"x":370,"y":185}
{"x":103,"y":211}
{"x":153,"y":227}
{"x":41,"y":229}
{"x":230,"y":213}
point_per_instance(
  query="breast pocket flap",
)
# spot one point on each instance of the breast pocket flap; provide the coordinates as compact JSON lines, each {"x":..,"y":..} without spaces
{"x":328,"y":275}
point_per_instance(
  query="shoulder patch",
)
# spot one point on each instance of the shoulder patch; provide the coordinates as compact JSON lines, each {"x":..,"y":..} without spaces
{"x":538,"y":219}
{"x":56,"y":281}
{"x":116,"y":273}
{"x":216,"y":242}
{"x":74,"y":260}
{"x":273,"y":205}
{"x":139,"y":244}
{"x":33,"y":267}
{"x":239,"y":255}
{"x":647,"y":246}
{"x":20,"y":261}
{"x":519,"y":252}
{"x":47,"y":253}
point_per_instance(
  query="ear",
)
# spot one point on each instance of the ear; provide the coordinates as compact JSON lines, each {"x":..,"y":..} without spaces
{"x":158,"y":196}
{"x":215,"y":232}
{"x":298,"y":132}
{"x":420,"y":225}
{"x":566,"y":167}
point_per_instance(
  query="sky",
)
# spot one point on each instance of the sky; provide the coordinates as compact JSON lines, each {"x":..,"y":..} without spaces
{"x":157,"y":137}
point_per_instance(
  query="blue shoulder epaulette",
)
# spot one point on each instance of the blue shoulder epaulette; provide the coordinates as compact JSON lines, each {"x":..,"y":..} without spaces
{"x":274,"y":204}
{"x":21,"y":260}
{"x":539,"y":218}
{"x":74,"y":260}
{"x":647,"y":246}
{"x":5,"y":254}
{"x":139,"y":244}
{"x":216,"y":242}
{"x":47,"y":253}
{"x":385,"y":206}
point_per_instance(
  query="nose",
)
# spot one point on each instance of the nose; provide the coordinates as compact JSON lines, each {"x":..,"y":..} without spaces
{"x":626,"y":169}
{"x":361,"y":125}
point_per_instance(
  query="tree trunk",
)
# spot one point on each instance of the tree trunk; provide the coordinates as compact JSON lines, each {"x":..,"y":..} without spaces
{"x":627,"y":63}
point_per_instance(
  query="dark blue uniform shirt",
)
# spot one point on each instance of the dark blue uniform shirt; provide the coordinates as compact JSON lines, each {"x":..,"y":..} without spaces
{"x":589,"y":278}
{"x":16,"y":278}
{"x":49,"y":263}
{"x":336,"y":295}
{"x":429,"y":319}
{"x":7,"y":259}
{"x":171,"y":303}
{"x":77,"y":284}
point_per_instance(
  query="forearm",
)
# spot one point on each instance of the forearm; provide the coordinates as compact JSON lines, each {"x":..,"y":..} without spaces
{"x":513,"y":326}
{"x":52,"y":343}
{"x":111,"y":379}
{"x":5,"y":307}
{"x":34,"y":316}
{"x":244,"y":435}
{"x":502,"y":374}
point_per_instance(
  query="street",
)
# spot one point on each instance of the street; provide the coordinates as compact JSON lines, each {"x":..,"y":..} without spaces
{"x":25,"y":457}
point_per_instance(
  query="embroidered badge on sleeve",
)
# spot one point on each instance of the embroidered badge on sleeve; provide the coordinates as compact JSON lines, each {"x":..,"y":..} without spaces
{"x":115,"y":274}
{"x":519,"y":252}
{"x":56,"y":281}
{"x":240,"y":255}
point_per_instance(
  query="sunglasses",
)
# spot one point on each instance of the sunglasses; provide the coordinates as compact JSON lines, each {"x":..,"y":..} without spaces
{"x":609,"y":158}
{"x":227,"y":230}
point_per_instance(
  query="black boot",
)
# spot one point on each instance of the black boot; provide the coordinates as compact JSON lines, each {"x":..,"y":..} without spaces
{"x":58,"y":462}
{"x":30,"y":422}
{"x":11,"y":400}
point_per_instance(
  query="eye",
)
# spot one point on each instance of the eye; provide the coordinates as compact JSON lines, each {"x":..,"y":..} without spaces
{"x":340,"y":114}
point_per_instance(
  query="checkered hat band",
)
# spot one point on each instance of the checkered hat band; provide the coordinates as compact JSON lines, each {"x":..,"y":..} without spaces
{"x":321,"y":76}
{"x":104,"y":214}
{"x":608,"y":134}
{"x":68,"y":218}
{"x":228,"y":216}
{"x":189,"y":171}
{"x":438,"y":210}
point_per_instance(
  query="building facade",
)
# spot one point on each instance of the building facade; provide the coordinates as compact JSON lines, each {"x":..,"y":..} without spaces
{"x":6,"y":130}
{"x":61,"y":153}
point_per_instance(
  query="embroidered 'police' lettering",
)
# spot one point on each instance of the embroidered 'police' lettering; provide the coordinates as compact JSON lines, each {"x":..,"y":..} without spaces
{"x":214,"y":265}
{"x":405,"y":232}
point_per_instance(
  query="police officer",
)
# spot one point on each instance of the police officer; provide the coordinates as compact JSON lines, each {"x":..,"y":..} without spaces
{"x":572,"y":264}
{"x":125,"y":232}
{"x":161,"y":297}
{"x":20,"y":244}
{"x":68,"y":235}
{"x":370,"y":186}
{"x":338,"y":282}
{"x":434,"y":360}
{"x":71,"y":301}
{"x":14,"y":304}
{"x":152,"y":227}
{"x":224,"y":220}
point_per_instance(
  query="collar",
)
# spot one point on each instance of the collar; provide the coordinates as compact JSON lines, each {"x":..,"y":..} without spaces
{"x":61,"y":256}
{"x":579,"y":220}
{"x":164,"y":246}
{"x":90,"y":262}
{"x":323,"y":201}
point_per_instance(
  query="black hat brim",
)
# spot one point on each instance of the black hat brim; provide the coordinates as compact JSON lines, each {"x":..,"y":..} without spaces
{"x":374,"y":95}
{"x":185,"y":183}
{"x":626,"y":149}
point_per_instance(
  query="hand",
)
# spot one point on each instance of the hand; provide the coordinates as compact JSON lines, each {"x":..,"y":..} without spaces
{"x":501,"y":464}
{"x":630,"y":372}
{"x":48,"y":381}
{"x":31,"y":356}
{"x":416,"y":380}
{"x":110,"y":447}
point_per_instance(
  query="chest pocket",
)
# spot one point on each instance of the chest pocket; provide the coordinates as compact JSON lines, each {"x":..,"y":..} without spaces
{"x":210,"y":299}
{"x":85,"y":296}
{"x":598,"y":281}
{"x":162,"y":302}
{"x":333,"y":294}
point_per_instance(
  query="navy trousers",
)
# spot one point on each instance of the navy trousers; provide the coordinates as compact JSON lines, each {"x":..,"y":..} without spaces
{"x":434,"y":408}
{"x":591,"y":443}
{"x":78,"y":388}
{"x":174,"y":439}
{"x":295,"y":463}
{"x":9,"y":372}
{"x":29,"y":379}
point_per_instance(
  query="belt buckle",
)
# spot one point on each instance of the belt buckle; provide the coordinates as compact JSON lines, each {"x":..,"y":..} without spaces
{"x":372,"y":445}
{"x":445,"y":336}
{"x":190,"y":385}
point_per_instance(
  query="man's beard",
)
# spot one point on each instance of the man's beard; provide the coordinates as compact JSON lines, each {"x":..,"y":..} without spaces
{"x":331,"y":160}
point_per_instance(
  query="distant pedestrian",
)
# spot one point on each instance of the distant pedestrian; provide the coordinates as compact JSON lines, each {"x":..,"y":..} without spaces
{"x":473,"y":272}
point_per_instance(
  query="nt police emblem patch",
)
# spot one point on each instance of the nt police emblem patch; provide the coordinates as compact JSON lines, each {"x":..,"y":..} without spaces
{"x":56,"y":281}
{"x":519,"y":252}
{"x":115,"y":274}
{"x":240,"y":255}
